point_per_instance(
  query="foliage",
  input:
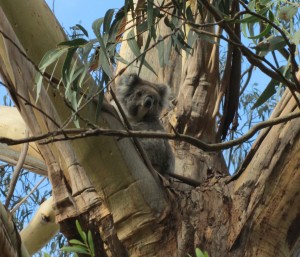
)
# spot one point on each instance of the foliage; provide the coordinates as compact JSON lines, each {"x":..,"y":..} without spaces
{"x":86,"y":246}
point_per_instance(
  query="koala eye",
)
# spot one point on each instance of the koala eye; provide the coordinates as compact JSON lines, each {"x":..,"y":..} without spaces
{"x":139,"y":94}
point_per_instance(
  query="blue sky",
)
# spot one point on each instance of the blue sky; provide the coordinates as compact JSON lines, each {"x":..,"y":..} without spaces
{"x":71,"y":12}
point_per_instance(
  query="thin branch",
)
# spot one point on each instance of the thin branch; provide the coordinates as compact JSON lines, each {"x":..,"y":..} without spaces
{"x":26,"y":197}
{"x":72,"y":134}
{"x":17,"y":171}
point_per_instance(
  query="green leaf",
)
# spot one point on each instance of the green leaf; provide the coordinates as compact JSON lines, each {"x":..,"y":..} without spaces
{"x":84,"y":31}
{"x":136,"y":50}
{"x":76,"y":242}
{"x":75,"y":249}
{"x":160,"y":51}
{"x":142,"y":59}
{"x":267,"y":29}
{"x":73,"y":43}
{"x":266,"y":94}
{"x":101,"y":96}
{"x":199,"y":253}
{"x":46,"y":255}
{"x":67,"y":65}
{"x":121,"y":59}
{"x":249,"y":18}
{"x":81,"y":232}
{"x":107,"y":20}
{"x":103,"y":61}
{"x":50,"y":57}
{"x":150,"y":18}
{"x":91,"y":243}
{"x":97,"y":26}
{"x":168,"y":50}
{"x":192,"y":37}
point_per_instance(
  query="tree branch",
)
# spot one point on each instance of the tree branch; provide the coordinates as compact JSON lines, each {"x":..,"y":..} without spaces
{"x":72,"y":134}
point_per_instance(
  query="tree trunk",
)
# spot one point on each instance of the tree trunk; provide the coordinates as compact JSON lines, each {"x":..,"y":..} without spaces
{"x":104,"y":183}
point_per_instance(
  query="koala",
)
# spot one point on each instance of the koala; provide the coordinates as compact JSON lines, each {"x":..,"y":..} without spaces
{"x":143,"y":102}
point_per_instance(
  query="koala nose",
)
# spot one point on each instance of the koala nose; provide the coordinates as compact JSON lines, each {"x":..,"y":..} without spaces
{"x":148,"y":102}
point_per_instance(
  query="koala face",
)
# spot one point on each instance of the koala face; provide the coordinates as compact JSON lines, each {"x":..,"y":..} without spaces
{"x":142,"y":100}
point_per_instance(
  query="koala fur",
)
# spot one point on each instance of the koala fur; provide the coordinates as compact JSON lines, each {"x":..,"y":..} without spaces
{"x":143,"y":103}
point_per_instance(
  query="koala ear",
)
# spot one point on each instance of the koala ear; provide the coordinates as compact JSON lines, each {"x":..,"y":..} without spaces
{"x":126,"y":83}
{"x":129,"y":79}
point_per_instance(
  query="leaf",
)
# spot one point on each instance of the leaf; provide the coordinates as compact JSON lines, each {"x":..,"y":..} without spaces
{"x":75,"y":249}
{"x":107,"y":20}
{"x":101,"y":96}
{"x":136,"y":50}
{"x":103,"y":61}
{"x":50,"y":57}
{"x":142,"y":59}
{"x":150,"y":18}
{"x":84,"y":31}
{"x":160,"y":51}
{"x":81,"y":232}
{"x":199,"y":253}
{"x":192,"y":37}
{"x":97,"y":26}
{"x":168,"y":50}
{"x":121,"y":59}
{"x":67,"y":65}
{"x":267,"y":29}
{"x":266,"y":94}
{"x":73,"y":43}
{"x":91,"y":243}
{"x":76,"y":242}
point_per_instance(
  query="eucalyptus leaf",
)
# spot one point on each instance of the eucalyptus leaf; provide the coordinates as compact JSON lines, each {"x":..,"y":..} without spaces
{"x":75,"y":249}
{"x":67,"y":65}
{"x":266,"y":94}
{"x":73,"y":43}
{"x":76,"y":242}
{"x":97,"y":26}
{"x":84,"y":31}
{"x":91,"y":243}
{"x":160,"y":51}
{"x":107,"y":20}
{"x":81,"y":232}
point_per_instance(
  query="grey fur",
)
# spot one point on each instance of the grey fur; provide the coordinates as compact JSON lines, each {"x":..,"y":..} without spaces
{"x":143,"y":103}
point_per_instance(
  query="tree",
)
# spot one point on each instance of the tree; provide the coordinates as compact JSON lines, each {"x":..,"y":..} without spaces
{"x":104,"y":183}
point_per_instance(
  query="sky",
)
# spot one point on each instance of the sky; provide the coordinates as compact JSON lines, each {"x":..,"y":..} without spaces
{"x":71,"y":12}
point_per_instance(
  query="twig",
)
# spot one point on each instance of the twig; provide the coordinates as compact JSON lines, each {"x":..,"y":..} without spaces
{"x":17,"y":171}
{"x":26,"y":197}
